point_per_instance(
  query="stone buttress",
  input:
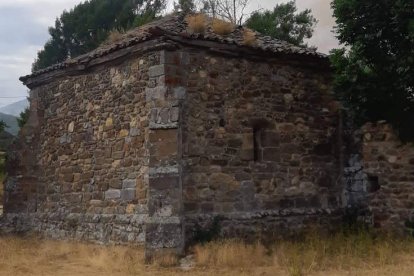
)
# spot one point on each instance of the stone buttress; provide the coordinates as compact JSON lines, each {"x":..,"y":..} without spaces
{"x":164,"y":228}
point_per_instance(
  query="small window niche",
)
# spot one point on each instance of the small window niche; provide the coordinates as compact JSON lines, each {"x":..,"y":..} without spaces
{"x":259,"y":127}
{"x":373,"y":184}
{"x":257,"y":144}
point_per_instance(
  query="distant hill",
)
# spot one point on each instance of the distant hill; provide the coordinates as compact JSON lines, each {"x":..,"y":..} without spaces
{"x":11,"y":122}
{"x":15,"y":108}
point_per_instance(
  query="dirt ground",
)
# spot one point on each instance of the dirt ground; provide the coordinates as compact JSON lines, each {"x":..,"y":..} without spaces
{"x":32,"y":256}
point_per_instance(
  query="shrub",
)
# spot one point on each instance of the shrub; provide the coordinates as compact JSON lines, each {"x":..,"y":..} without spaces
{"x":222,"y":27}
{"x":249,"y":37}
{"x":196,"y":23}
{"x":113,"y":37}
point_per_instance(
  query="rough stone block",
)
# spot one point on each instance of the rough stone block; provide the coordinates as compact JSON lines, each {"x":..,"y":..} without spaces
{"x":129,"y":183}
{"x":115,"y":183}
{"x":113,"y":194}
{"x":163,"y":126}
{"x":164,"y":235}
{"x":71,"y":127}
{"x":271,"y":154}
{"x":156,"y":71}
{"x":164,"y":182}
{"x":179,"y":93}
{"x":164,"y":116}
{"x":118,"y":155}
{"x":123,"y":133}
{"x":174,"y":114}
{"x":164,"y":135}
{"x":135,"y":132}
{"x":247,"y":155}
{"x":128,"y":194}
{"x":156,"y":93}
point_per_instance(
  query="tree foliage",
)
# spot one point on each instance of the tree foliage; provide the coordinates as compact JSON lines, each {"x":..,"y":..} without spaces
{"x":3,"y":125}
{"x":23,"y":117}
{"x":284,"y":23}
{"x":87,"y":25}
{"x":375,"y":71}
{"x":185,"y":6}
{"x":230,"y":10}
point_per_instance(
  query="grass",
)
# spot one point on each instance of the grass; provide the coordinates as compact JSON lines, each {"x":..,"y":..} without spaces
{"x":197,"y":23}
{"x":313,"y":254}
{"x":340,"y":254}
{"x":249,"y":37}
{"x":222,"y":27}
{"x":114,"y":36}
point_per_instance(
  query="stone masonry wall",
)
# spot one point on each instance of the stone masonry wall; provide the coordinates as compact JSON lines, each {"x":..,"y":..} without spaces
{"x":261,"y":149}
{"x":92,"y":161}
{"x":389,"y":168}
{"x":161,"y":146}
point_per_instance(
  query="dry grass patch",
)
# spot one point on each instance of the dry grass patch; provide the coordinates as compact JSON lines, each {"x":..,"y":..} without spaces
{"x":249,"y":37}
{"x":196,"y":23}
{"x":222,"y":27}
{"x":313,"y":254}
{"x":230,"y":254}
{"x":31,"y":256}
{"x":165,"y":260}
{"x":341,"y":252}
{"x":358,"y":254}
{"x":114,"y":36}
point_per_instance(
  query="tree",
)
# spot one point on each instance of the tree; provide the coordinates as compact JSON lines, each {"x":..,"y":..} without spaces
{"x":230,"y":10}
{"x":185,"y":6}
{"x":375,"y":71}
{"x":284,"y":23}
{"x":88,"y":24}
{"x":3,"y":125}
{"x":24,"y":116}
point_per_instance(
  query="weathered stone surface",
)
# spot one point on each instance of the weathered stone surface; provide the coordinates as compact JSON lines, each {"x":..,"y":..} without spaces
{"x":386,"y":179}
{"x":252,"y":130}
{"x":90,"y":128}
{"x":113,"y":194}
{"x":128,"y":194}
{"x":129,"y":183}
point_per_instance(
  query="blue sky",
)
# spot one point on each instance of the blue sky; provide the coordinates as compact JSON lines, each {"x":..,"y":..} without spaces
{"x":24,"y":25}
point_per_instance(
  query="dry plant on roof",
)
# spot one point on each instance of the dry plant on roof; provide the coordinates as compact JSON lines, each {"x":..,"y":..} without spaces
{"x":196,"y":23}
{"x":249,"y":37}
{"x":113,"y":37}
{"x":222,"y":27}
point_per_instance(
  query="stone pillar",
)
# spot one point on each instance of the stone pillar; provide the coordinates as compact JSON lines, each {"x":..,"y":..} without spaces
{"x":164,"y":228}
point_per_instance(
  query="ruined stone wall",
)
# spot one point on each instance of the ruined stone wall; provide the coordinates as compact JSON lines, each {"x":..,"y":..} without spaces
{"x":260,"y":146}
{"x":389,"y":168}
{"x":91,"y":177}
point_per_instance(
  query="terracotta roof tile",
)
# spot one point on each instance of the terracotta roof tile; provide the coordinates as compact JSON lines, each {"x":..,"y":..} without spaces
{"x":176,"y":25}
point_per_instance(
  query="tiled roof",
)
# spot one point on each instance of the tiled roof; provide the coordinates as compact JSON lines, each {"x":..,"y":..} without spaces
{"x":176,"y":25}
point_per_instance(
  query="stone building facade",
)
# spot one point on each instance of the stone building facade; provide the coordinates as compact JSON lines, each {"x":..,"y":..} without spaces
{"x":169,"y":134}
